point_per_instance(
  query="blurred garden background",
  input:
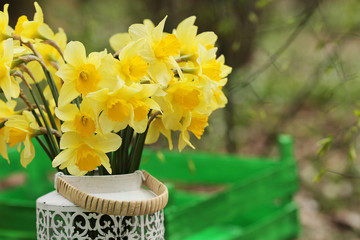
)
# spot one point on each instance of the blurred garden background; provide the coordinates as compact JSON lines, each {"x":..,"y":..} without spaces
{"x":296,"y":67}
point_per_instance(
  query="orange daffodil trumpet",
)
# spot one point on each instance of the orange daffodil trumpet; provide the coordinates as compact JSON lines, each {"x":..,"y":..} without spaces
{"x":97,"y":110}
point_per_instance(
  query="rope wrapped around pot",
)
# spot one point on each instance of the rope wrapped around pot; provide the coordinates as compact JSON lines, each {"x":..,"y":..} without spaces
{"x":79,"y":191}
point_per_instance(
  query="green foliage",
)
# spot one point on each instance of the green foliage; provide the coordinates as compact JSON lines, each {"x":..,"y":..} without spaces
{"x":263,"y":3}
{"x":318,"y":177}
{"x":324,"y":145}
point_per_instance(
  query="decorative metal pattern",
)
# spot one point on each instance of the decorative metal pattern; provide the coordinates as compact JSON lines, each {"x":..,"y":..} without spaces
{"x":70,"y":222}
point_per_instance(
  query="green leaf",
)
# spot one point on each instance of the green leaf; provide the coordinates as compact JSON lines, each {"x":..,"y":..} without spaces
{"x":352,"y":153}
{"x":319,"y":175}
{"x":262,"y":3}
{"x":324,"y":145}
{"x":357,"y":112}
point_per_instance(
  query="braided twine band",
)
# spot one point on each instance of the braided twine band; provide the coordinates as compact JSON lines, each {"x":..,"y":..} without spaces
{"x":114,"y":207}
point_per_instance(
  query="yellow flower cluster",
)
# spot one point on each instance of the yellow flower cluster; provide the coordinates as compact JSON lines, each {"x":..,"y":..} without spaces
{"x":155,"y":82}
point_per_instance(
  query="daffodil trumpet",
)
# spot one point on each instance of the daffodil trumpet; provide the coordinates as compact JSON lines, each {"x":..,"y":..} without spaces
{"x":96,"y":111}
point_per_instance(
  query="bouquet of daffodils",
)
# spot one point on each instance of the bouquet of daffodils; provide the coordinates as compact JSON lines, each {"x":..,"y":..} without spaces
{"x":97,"y":111}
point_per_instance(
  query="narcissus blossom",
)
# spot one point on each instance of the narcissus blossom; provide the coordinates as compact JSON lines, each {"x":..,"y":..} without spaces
{"x":81,"y":74}
{"x":30,"y":30}
{"x":84,"y":154}
{"x":8,"y":84}
{"x":20,"y":129}
{"x":128,"y":105}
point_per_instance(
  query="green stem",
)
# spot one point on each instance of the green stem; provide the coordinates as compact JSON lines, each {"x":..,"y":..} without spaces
{"x":127,"y":138}
{"x":43,"y":145}
{"x":114,"y":163}
{"x":185,"y":57}
{"x":77,"y":101}
{"x":48,"y":111}
{"x":52,"y":85}
{"x":53,"y":143}
{"x":46,"y":104}
{"x":47,"y":139}
{"x":136,"y":151}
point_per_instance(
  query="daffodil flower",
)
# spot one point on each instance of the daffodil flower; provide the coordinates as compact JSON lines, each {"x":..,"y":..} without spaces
{"x":8,"y":84}
{"x":6,"y":110}
{"x":81,"y":74}
{"x":84,"y":154}
{"x":128,"y":105}
{"x":119,"y":40}
{"x":181,"y":99}
{"x":20,"y":129}
{"x":159,"y":50}
{"x":51,"y":58}
{"x":5,"y":30}
{"x":30,"y":30}
{"x":194,"y":123}
{"x":3,"y":144}
{"x":218,"y":99}
{"x":211,"y":68}
{"x":156,"y":127}
{"x":83,"y":120}
{"x":186,"y":32}
{"x":131,"y":67}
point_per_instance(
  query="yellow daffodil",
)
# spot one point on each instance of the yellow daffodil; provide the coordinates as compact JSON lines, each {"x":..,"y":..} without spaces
{"x":30,"y":30}
{"x":194,"y":123}
{"x":211,"y":68}
{"x":5,"y":30}
{"x":181,"y":99}
{"x":159,"y":50}
{"x":131,"y":67}
{"x":128,"y":105}
{"x":21,"y":128}
{"x":83,"y":120}
{"x":6,"y":110}
{"x":8,"y":84}
{"x":186,"y":32}
{"x":218,"y":99}
{"x":3,"y":144}
{"x":19,"y":50}
{"x":119,"y":40}
{"x":52,"y":60}
{"x":84,"y":154}
{"x":81,"y":74}
{"x":156,"y":127}
{"x":155,"y":84}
